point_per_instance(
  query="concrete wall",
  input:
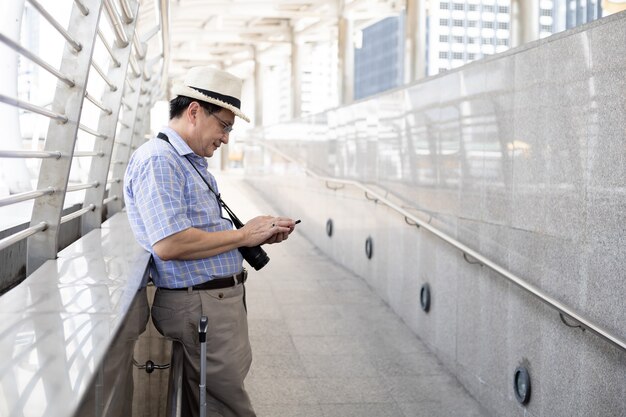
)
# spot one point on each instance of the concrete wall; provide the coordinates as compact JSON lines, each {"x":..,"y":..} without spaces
{"x":522,"y":157}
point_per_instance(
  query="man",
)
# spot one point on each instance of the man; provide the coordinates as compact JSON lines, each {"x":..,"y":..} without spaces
{"x":173,"y":208}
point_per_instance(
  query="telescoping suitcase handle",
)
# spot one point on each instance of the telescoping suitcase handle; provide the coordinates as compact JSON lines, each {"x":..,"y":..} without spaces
{"x":203,"y":324}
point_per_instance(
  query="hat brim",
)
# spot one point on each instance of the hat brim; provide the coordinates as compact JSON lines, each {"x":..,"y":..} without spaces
{"x":183,"y":90}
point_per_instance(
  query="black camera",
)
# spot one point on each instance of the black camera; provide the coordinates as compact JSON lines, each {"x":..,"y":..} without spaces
{"x":254,"y":255}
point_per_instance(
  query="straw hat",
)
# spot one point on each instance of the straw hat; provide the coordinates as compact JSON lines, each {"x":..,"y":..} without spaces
{"x":213,"y":86}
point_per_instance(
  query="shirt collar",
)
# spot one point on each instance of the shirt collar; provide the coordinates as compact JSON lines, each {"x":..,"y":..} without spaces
{"x":181,"y":146}
{"x":177,"y":142}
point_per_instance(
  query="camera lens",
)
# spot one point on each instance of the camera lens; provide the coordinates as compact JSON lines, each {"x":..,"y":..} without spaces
{"x":255,"y":256}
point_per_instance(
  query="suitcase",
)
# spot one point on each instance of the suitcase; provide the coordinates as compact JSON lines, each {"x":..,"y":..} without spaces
{"x":203,"y":324}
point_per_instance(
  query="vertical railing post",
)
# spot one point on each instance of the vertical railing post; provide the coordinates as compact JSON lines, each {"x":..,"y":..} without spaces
{"x":62,"y":136}
{"x":107,"y":125}
{"x":124,"y":141}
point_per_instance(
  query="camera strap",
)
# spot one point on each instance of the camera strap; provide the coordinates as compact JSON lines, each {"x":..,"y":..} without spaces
{"x":221,"y":202}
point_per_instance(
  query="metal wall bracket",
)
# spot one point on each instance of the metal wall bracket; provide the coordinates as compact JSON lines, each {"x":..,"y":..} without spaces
{"x":375,"y":200}
{"x":562,"y":316}
{"x":334,"y":188}
{"x":410,"y":223}
{"x":470,"y":262}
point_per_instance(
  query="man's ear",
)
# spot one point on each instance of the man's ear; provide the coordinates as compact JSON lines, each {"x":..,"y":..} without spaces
{"x":192,"y":111}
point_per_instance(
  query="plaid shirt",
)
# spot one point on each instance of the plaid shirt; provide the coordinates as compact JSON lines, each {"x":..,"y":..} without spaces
{"x":165,"y":195}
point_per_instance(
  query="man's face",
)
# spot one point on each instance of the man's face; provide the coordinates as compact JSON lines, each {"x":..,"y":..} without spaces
{"x":212,"y":130}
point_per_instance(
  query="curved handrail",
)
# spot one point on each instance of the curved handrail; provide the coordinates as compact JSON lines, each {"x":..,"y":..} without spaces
{"x":562,"y":308}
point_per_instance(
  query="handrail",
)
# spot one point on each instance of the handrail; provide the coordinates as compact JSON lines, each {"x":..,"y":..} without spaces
{"x":134,"y":66}
{"x":30,"y":154}
{"x":78,"y":187}
{"x":36,"y":59}
{"x":83,"y":9}
{"x":43,"y":12}
{"x":116,"y":63}
{"x":16,"y":237}
{"x":550,"y":301}
{"x":106,"y":79}
{"x":109,"y":200}
{"x":77,"y":213}
{"x":28,"y":195}
{"x":98,"y":104}
{"x":139,"y":49}
{"x":126,"y":11}
{"x":116,"y":24}
{"x":82,"y":154}
{"x":31,"y":107}
{"x":92,"y":131}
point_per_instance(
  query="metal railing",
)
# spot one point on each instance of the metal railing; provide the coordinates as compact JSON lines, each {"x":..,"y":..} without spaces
{"x":467,"y":251}
{"x":127,"y":68}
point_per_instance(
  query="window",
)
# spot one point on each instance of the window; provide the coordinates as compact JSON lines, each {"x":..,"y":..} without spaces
{"x":472,"y":40}
{"x":457,"y":55}
{"x":443,"y":22}
{"x":473,"y":7}
{"x":444,"y":6}
{"x":487,"y":8}
{"x":459,"y":6}
{"x":545,"y":28}
{"x":457,"y":39}
{"x":443,"y":55}
{"x":471,"y":23}
{"x":378,"y":64}
{"x":487,"y":41}
{"x":503,"y":42}
{"x":545,"y":12}
{"x":457,"y":22}
{"x":503,"y":25}
{"x":444,"y":38}
{"x":488,"y":25}
{"x":471,"y":57}
{"x":503,"y":9}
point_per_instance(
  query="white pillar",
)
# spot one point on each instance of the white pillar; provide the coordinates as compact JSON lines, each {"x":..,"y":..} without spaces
{"x":415,"y":41}
{"x":346,"y":56}
{"x":13,"y":172}
{"x":524,"y":21}
{"x":296,"y":76}
{"x":258,"y":89}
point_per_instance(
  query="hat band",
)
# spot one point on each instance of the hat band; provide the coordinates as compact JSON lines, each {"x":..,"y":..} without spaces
{"x":235,"y":102}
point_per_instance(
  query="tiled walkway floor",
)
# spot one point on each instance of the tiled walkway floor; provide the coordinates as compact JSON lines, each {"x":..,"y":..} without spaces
{"x":325,"y":345}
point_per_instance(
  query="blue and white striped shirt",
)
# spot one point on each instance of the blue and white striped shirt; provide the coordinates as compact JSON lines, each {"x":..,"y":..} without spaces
{"x":165,"y":195}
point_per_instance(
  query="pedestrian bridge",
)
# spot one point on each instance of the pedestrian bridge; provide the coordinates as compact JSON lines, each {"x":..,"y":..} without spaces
{"x":462,"y":245}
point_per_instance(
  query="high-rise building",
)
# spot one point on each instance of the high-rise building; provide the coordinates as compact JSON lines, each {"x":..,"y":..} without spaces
{"x":460,"y":31}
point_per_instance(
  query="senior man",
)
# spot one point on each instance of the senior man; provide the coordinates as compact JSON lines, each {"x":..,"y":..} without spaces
{"x":174,"y":208}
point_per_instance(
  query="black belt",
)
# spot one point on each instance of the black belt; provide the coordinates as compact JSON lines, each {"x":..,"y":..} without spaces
{"x":218,"y":283}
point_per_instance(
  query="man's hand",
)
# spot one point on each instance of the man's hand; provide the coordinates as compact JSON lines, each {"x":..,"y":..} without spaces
{"x":267,"y":229}
{"x":194,"y":243}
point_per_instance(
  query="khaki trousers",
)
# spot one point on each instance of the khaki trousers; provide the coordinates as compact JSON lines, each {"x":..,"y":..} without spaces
{"x":175,"y":315}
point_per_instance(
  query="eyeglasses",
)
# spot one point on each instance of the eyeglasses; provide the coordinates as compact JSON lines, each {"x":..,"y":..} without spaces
{"x":226,"y":128}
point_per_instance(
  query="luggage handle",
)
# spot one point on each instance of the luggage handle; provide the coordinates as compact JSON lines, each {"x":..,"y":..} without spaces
{"x":203,"y":325}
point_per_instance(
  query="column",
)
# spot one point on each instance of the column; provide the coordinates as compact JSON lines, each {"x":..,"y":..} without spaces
{"x":346,"y":56}
{"x":415,"y":41}
{"x":258,"y":89}
{"x":296,"y":76}
{"x":524,"y":21}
